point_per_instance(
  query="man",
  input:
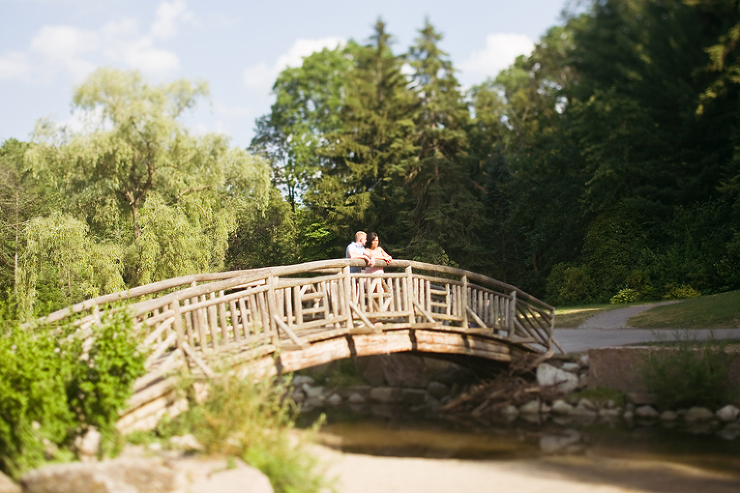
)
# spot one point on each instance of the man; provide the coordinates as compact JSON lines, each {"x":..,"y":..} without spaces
{"x":356,"y":250}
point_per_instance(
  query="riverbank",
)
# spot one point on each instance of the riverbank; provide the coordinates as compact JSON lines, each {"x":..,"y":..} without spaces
{"x":356,"y":473}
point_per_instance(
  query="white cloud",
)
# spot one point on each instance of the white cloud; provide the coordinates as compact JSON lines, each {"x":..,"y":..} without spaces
{"x":262,"y":76}
{"x":168,"y":16}
{"x":73,"y":52}
{"x":500,"y":52}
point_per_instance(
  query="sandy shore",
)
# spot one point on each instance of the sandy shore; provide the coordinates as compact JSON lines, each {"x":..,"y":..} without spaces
{"x":356,"y":473}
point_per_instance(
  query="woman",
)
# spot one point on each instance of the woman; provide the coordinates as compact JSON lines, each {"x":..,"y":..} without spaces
{"x":373,"y":248}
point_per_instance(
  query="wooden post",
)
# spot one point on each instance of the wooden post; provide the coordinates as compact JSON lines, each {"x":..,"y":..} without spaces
{"x":512,"y":315}
{"x":347,"y":296}
{"x":409,"y":294}
{"x":222,"y":320}
{"x":272,"y":310}
{"x":465,"y":302}
{"x":177,"y":323}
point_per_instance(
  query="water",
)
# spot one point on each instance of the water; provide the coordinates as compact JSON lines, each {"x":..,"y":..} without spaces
{"x":394,"y":432}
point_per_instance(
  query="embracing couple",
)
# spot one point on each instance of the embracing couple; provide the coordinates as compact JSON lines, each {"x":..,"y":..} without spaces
{"x":367,"y":249}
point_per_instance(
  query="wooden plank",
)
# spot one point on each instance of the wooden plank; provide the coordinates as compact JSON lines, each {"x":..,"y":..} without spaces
{"x":290,"y":333}
{"x":234,"y":320}
{"x":424,"y":312}
{"x":213,"y":323}
{"x":363,"y":317}
{"x":197,"y":360}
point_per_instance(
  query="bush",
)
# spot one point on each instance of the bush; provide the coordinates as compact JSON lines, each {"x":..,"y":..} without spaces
{"x":689,"y":373}
{"x":252,"y":420}
{"x":54,"y":386}
{"x":682,"y":292}
{"x":626,"y":295}
{"x":569,"y":285}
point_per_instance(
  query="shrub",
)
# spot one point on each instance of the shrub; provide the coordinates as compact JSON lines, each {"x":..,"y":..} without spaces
{"x":682,"y":292}
{"x":626,"y":295}
{"x":252,"y":420}
{"x":689,"y":373}
{"x":568,"y":285}
{"x":54,"y":386}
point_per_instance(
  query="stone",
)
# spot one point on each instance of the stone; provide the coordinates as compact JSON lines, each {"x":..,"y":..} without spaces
{"x":544,"y":408}
{"x":730,"y":432}
{"x":570,"y":367}
{"x":87,"y":445}
{"x":510,"y":411}
{"x":334,"y":400}
{"x":413,"y":396}
{"x":356,"y":398}
{"x":587,"y":404}
{"x":383,"y":394}
{"x":549,"y":376}
{"x":117,"y":476}
{"x":299,"y":396}
{"x":531,"y":407}
{"x":583,"y":360}
{"x":728,"y":413}
{"x":300,"y":380}
{"x":223,"y":476}
{"x":554,"y":443}
{"x":312,"y":392}
{"x":646,"y":412}
{"x":561,"y":407}
{"x":668,"y":416}
{"x":628,"y":415}
{"x":313,"y":402}
{"x":583,"y":380}
{"x":186,"y":443}
{"x":698,"y":414}
{"x":7,"y":485}
{"x":610,"y":413}
{"x":583,"y":412}
{"x":640,"y":398}
{"x":437,"y":389}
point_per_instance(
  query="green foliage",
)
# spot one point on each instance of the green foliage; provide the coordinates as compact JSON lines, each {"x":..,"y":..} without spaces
{"x":682,"y":292}
{"x":568,"y":285}
{"x":252,"y":419}
{"x":55,"y":385}
{"x":626,"y":295}
{"x":689,"y":373}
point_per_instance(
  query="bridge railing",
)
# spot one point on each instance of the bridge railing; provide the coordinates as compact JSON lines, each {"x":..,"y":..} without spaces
{"x":290,"y":307}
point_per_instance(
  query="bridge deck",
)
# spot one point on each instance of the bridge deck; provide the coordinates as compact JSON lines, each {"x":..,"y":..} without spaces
{"x":292,"y":317}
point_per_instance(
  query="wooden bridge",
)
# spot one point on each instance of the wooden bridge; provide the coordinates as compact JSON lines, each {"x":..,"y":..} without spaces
{"x":283,"y":319}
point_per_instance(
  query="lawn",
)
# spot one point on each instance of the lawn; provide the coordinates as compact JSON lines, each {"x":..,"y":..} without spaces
{"x":573,"y":316}
{"x":718,"y":311}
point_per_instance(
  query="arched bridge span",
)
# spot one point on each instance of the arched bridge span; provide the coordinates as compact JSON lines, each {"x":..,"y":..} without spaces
{"x":292,"y":317}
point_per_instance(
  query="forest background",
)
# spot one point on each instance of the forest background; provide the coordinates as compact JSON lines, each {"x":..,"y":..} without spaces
{"x":606,"y":160}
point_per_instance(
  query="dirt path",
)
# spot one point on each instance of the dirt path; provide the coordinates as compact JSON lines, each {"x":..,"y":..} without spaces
{"x":356,"y":473}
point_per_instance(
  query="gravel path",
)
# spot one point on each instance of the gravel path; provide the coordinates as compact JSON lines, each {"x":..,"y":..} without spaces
{"x":610,"y":328}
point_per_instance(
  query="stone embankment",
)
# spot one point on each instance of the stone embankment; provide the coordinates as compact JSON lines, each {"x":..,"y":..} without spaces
{"x":171,"y":468}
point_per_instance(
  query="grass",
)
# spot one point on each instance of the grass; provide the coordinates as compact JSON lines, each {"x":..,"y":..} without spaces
{"x":573,"y":316}
{"x":718,"y":311}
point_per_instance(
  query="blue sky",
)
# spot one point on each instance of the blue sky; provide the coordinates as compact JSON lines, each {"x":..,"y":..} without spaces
{"x":49,"y":46}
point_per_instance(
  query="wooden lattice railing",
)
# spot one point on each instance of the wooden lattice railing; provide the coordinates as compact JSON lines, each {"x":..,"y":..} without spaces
{"x":289,"y":307}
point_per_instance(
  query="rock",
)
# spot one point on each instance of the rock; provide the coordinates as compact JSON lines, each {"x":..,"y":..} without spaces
{"x":222,"y":476}
{"x":548,"y":375}
{"x":300,"y":380}
{"x":87,"y":445}
{"x":646,"y":412}
{"x":383,"y":394}
{"x":437,"y":389}
{"x":186,"y":443}
{"x":7,"y":485}
{"x":544,"y":408}
{"x":413,"y":396}
{"x":610,"y":413}
{"x":583,"y":412}
{"x":312,"y":392}
{"x":117,"y":476}
{"x":587,"y":404}
{"x":728,"y":413}
{"x":561,"y":407}
{"x":313,"y":403}
{"x":334,"y":400}
{"x":628,"y":415}
{"x":668,"y":416}
{"x":356,"y":398}
{"x":640,"y":398}
{"x":570,"y":367}
{"x":583,"y":360}
{"x":531,"y":407}
{"x":698,"y":414}
{"x":554,"y":443}
{"x":730,"y":432}
{"x":583,"y":380}
{"x":510,"y":411}
{"x":299,"y":396}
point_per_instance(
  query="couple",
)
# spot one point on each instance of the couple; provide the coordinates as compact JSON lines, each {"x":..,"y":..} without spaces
{"x":369,"y":253}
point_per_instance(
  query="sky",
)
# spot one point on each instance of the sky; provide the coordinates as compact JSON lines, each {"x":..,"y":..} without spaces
{"x":48,"y":47}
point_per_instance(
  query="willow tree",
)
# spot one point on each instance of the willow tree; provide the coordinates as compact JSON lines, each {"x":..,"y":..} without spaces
{"x":140,"y":180}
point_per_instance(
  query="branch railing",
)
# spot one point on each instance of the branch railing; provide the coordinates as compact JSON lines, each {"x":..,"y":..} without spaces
{"x":289,"y":307}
